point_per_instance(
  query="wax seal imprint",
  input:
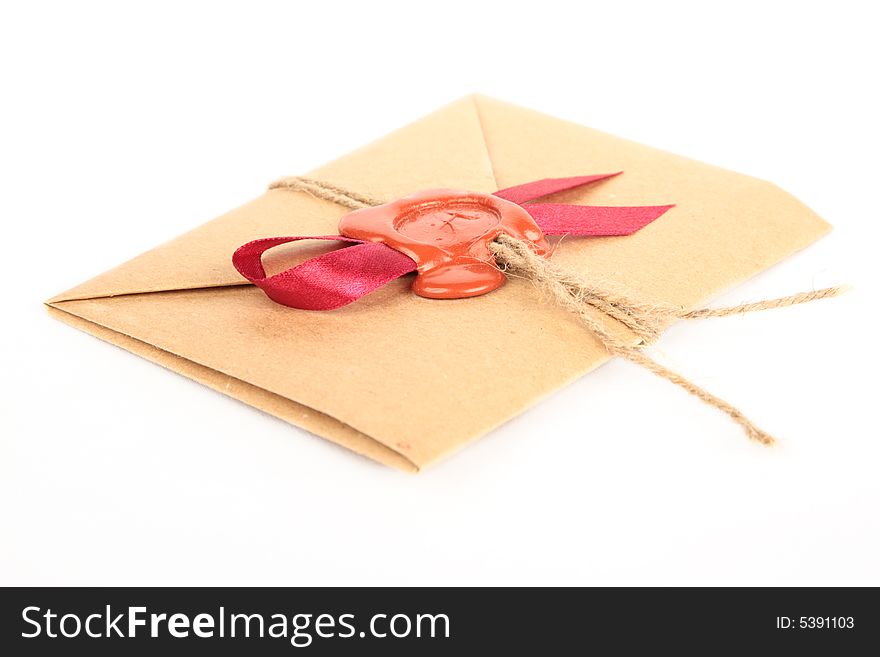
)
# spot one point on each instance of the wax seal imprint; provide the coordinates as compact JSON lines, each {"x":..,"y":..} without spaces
{"x":447,"y":232}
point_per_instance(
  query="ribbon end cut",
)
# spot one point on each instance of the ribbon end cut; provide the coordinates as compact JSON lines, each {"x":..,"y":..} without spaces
{"x":593,"y":221}
{"x":538,"y":188}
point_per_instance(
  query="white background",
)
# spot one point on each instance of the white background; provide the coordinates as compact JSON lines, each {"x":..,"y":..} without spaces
{"x":115,"y":471}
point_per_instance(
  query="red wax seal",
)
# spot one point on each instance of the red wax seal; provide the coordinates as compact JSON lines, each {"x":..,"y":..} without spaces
{"x":447,"y":232}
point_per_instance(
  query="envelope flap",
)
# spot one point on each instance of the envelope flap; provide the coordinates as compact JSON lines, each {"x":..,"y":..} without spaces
{"x":725,"y":227}
{"x":443,"y":149}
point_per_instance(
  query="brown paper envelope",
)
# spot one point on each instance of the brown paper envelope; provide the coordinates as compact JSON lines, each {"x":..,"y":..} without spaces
{"x":407,"y":380}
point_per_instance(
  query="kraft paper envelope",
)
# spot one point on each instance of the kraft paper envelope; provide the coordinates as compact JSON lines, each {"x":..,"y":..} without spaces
{"x":407,"y":380}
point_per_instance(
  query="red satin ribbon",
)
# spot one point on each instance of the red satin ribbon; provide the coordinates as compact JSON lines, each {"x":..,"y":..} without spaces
{"x":337,"y":278}
{"x":591,"y":220}
{"x":538,"y":188}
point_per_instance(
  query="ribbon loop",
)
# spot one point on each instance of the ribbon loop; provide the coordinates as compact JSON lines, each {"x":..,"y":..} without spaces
{"x":328,"y":281}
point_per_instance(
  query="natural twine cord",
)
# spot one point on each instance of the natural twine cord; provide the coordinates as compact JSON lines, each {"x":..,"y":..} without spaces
{"x":325,"y":191}
{"x":579,"y":296}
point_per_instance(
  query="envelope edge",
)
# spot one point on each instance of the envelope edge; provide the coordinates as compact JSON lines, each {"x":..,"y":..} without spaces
{"x":298,"y":415}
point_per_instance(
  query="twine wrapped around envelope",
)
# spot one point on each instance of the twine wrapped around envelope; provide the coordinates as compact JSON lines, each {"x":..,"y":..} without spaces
{"x":583,"y":298}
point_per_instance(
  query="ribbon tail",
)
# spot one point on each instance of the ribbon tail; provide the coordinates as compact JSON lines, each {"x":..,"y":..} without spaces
{"x":592,"y":221}
{"x":538,"y":188}
{"x":328,"y":281}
